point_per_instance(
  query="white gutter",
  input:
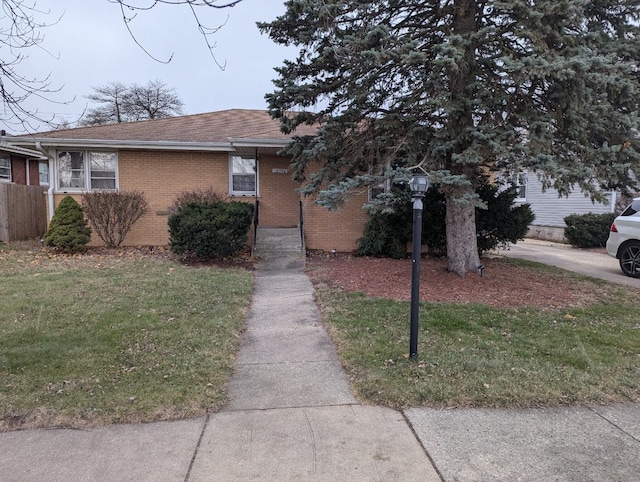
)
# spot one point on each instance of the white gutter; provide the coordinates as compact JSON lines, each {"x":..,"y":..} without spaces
{"x":249,"y":142}
{"x":50,"y":190}
{"x":119,"y":144}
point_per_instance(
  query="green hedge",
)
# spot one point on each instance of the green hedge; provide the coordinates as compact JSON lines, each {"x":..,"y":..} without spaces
{"x":588,"y":230}
{"x":210,"y":230}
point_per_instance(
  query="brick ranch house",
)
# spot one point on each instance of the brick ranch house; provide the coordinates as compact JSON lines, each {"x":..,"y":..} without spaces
{"x":233,"y":151}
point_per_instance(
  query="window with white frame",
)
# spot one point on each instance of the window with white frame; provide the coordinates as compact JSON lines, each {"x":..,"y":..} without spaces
{"x":520,"y":182}
{"x":383,"y":187}
{"x":5,"y":169}
{"x":43,"y":172}
{"x":242,"y":175}
{"x":87,"y":170}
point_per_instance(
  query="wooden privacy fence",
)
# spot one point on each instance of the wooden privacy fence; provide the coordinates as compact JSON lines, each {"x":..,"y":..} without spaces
{"x":23,"y":212}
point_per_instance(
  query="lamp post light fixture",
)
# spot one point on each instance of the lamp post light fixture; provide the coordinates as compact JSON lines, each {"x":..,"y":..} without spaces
{"x":418,"y":184}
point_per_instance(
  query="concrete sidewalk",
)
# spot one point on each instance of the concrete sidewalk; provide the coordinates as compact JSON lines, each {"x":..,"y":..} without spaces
{"x":292,"y":416}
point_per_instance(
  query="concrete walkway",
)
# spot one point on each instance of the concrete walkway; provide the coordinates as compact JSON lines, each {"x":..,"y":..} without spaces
{"x":292,"y":416}
{"x":589,"y":263}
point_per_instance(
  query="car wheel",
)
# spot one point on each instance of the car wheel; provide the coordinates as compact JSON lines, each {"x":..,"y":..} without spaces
{"x":630,"y":259}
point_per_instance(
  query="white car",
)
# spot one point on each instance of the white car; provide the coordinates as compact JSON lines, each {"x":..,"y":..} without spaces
{"x":624,"y":239}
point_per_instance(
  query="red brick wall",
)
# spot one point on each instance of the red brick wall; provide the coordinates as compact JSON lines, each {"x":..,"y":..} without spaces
{"x":18,"y":170}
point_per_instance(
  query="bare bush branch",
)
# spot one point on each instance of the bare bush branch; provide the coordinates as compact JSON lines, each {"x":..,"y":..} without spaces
{"x":113,"y":214}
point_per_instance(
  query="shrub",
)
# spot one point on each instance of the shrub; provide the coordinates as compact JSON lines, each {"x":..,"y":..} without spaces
{"x":68,"y":231}
{"x":386,"y":234}
{"x":113,"y":214}
{"x":502,"y":222}
{"x":210,"y":230}
{"x":588,"y":230}
{"x":209,"y":195}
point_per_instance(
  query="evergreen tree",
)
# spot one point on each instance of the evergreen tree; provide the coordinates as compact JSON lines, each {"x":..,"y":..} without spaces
{"x":459,"y":88}
{"x":68,"y":230}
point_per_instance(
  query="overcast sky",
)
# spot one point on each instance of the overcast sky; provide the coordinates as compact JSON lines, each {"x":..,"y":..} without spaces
{"x":90,"y":46}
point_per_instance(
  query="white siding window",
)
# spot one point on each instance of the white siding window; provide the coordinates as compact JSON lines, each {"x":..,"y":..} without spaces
{"x":520,"y":183}
{"x":5,"y":169}
{"x":87,"y":170}
{"x":243,"y":179}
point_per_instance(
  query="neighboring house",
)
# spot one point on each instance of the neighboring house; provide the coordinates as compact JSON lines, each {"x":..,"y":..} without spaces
{"x":22,"y":208}
{"x":22,"y":166}
{"x":551,"y":209}
{"x":233,"y":151}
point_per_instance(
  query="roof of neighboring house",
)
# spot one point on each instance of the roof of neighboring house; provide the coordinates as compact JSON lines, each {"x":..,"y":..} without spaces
{"x":31,"y":154}
{"x":222,"y":128}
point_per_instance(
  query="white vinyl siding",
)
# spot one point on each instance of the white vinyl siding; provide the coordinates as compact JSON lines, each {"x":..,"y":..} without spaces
{"x":550,"y":210}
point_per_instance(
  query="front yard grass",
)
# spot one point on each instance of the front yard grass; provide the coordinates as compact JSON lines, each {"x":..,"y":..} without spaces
{"x":473,"y":355}
{"x":92,"y":340}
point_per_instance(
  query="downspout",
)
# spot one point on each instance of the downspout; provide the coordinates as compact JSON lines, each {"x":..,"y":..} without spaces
{"x":50,"y":190}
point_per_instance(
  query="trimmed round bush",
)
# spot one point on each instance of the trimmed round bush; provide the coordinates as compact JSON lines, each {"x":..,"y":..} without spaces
{"x":68,"y":231}
{"x":588,"y":230}
{"x":210,"y":230}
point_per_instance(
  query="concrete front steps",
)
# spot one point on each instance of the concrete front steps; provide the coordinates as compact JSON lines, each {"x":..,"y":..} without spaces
{"x":277,"y":242}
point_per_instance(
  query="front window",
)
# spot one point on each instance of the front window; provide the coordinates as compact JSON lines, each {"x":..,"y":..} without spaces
{"x":87,"y":170}
{"x":43,"y":171}
{"x":5,"y":169}
{"x":243,"y":178}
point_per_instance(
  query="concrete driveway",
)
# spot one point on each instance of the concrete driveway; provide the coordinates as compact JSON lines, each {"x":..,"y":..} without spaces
{"x":590,"y":263}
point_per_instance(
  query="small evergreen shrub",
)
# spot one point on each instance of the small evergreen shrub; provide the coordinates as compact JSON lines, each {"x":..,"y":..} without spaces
{"x":68,"y":231}
{"x":502,"y":222}
{"x":210,"y":230}
{"x":588,"y":230}
{"x":113,"y":214}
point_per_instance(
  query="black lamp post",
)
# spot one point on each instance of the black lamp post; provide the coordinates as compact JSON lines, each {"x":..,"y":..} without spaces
{"x":418,"y":184}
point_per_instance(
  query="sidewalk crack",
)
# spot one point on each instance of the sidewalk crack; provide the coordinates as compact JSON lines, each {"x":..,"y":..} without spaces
{"x":195,"y":452}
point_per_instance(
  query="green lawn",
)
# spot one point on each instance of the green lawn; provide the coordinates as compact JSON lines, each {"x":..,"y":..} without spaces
{"x":475,"y":355}
{"x":90,"y":340}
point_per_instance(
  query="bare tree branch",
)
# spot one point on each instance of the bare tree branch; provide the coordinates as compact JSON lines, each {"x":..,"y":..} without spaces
{"x":206,"y":31}
{"x":20,"y":30}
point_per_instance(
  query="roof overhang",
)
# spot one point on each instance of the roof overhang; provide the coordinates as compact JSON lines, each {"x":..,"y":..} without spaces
{"x":29,"y":153}
{"x":233,"y":144}
{"x":119,"y":144}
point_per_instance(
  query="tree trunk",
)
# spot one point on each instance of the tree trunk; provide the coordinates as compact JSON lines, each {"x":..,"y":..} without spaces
{"x":462,"y":244}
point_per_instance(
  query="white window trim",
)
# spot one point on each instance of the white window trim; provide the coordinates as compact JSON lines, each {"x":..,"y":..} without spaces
{"x":384,"y":186}
{"x":521,"y":175}
{"x":55,"y":175}
{"x":48,"y":183}
{"x":232,"y":192}
{"x":4,"y":179}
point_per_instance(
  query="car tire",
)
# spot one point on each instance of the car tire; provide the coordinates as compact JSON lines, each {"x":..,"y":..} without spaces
{"x":630,"y":259}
